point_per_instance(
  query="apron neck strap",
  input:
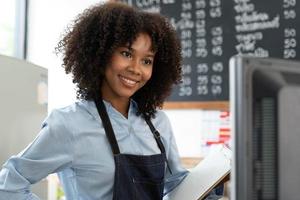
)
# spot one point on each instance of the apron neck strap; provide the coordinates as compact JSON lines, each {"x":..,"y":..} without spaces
{"x":156,"y":135}
{"x":107,"y":126}
{"x":158,"y":141}
{"x":111,"y":135}
{"x":110,"y":132}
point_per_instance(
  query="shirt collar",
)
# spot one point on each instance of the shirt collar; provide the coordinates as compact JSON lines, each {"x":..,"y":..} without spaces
{"x":92,"y":109}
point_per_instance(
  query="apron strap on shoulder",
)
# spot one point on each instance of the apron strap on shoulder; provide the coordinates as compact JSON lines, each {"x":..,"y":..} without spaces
{"x":157,"y":137}
{"x":107,"y":126}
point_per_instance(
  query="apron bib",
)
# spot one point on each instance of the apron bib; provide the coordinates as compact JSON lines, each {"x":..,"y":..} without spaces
{"x":137,"y":177}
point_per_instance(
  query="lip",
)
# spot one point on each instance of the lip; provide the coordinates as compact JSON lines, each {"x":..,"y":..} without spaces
{"x":128,"y":81}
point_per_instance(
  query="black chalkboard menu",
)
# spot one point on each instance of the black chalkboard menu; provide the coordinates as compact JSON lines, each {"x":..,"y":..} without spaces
{"x":211,"y":31}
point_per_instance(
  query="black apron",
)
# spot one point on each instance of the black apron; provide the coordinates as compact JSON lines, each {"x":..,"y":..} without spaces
{"x":136,"y":177}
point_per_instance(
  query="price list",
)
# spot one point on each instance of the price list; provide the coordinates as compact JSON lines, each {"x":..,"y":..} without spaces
{"x":211,"y":31}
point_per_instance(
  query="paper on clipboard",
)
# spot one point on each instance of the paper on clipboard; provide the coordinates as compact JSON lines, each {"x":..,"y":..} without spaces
{"x":205,"y":176}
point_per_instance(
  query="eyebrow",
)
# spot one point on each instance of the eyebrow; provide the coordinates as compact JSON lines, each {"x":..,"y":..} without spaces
{"x":150,"y":54}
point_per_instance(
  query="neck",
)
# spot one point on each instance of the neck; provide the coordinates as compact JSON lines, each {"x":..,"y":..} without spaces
{"x":121,"y":105}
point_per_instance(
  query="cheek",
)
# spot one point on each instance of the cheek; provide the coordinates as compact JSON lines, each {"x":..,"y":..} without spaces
{"x":117,"y":63}
{"x":108,"y":72}
{"x":148,"y":74}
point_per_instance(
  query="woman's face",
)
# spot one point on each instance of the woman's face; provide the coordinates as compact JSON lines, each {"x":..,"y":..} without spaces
{"x":129,"y":69}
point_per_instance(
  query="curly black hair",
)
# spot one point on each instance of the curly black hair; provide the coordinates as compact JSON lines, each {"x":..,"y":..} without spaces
{"x":88,"y":44}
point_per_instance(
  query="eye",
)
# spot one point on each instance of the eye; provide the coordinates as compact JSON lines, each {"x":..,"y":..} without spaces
{"x":126,"y":54}
{"x":147,"y":61}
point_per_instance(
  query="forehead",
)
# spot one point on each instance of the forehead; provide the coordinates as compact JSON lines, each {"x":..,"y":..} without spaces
{"x":142,"y":42}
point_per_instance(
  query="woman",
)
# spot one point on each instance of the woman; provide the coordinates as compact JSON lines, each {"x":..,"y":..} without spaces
{"x":113,"y":143}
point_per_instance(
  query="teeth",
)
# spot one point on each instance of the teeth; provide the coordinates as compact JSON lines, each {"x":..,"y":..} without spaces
{"x":128,"y":81}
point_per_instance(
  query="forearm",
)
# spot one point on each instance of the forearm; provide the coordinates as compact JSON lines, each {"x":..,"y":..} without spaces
{"x":13,"y":186}
{"x":17,"y":195}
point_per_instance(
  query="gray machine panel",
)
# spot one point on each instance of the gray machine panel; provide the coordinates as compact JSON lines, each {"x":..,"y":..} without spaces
{"x":23,"y":107}
{"x":265,"y":108}
{"x":289,"y":143}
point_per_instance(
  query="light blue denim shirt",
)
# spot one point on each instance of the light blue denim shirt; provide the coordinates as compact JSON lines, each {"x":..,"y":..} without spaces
{"x":72,"y":143}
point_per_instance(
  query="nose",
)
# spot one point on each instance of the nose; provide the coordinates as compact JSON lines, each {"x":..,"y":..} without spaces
{"x":134,"y":67}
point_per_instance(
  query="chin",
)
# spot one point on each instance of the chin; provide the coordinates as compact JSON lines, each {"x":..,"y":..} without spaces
{"x":126,"y":95}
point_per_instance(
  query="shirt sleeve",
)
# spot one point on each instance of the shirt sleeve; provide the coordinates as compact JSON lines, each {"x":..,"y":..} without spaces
{"x":50,"y":152}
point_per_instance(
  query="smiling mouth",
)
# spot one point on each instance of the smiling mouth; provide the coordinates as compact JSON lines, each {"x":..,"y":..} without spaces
{"x":127,"y":81}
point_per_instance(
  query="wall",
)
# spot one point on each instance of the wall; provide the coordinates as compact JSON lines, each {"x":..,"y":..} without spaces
{"x":47,"y":21}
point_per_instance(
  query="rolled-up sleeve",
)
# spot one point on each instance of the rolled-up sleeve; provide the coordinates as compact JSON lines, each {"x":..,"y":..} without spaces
{"x":50,"y":152}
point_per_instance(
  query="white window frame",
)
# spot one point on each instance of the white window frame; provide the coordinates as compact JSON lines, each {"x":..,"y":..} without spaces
{"x":20,"y":33}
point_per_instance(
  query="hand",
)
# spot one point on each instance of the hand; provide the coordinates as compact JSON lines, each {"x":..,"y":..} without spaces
{"x":221,"y":184}
{"x":224,"y":180}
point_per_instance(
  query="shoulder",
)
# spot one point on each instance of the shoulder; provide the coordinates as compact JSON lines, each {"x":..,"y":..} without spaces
{"x":68,"y":116}
{"x":72,"y":111}
{"x":162,"y":123}
{"x":161,"y":116}
{"x":65,"y":121}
